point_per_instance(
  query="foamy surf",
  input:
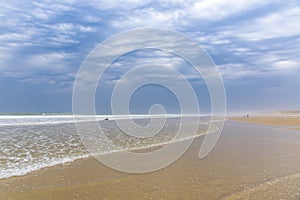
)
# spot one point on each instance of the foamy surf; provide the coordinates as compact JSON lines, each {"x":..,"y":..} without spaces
{"x":30,"y":143}
{"x":27,"y":120}
{"x":23,"y":170}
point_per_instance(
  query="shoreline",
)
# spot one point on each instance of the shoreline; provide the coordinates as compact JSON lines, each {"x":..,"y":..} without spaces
{"x":133,"y":150}
{"x":282,"y":121}
{"x":227,"y":173}
{"x":145,"y":149}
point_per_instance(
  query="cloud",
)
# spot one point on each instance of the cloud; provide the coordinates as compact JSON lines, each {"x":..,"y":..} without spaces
{"x":116,"y":4}
{"x":220,"y":9}
{"x":92,"y":19}
{"x":37,"y":40}
{"x":69,"y":28}
{"x":275,"y":25}
{"x":181,"y":14}
{"x":245,"y":39}
{"x":147,"y":17}
{"x":55,"y":60}
{"x":213,"y":39}
{"x":287,"y":64}
{"x":234,"y":71}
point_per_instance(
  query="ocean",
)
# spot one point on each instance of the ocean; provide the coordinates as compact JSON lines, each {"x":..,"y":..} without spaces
{"x":33,"y":142}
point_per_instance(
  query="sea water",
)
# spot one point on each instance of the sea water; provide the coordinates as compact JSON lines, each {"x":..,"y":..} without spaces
{"x":29,"y":143}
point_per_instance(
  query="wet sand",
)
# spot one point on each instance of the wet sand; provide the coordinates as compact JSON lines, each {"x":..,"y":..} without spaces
{"x":250,"y":161}
{"x":274,"y":121}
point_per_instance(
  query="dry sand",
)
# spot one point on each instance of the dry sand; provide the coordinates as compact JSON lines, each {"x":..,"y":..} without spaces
{"x":246,"y":163}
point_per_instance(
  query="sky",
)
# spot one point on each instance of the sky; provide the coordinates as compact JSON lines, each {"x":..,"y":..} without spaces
{"x":254,"y":44}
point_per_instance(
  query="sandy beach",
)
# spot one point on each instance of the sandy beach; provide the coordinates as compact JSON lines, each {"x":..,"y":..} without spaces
{"x":249,"y":162}
{"x":150,"y":100}
{"x":274,"y":121}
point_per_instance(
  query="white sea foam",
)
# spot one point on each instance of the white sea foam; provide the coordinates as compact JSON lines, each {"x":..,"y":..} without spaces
{"x":25,"y":120}
{"x":25,"y":169}
{"x":24,"y":148}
